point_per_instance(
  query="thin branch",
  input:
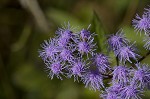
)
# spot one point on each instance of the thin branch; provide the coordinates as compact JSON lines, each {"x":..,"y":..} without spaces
{"x":117,"y":60}
{"x":142,"y":58}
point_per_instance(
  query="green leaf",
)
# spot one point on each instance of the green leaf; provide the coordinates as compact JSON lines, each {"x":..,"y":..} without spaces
{"x":100,"y":37}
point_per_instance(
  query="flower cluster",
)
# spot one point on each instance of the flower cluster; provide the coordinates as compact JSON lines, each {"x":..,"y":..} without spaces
{"x":73,"y":54}
{"x":121,"y":47}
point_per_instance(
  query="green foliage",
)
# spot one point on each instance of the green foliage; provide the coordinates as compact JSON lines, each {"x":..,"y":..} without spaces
{"x":100,"y":37}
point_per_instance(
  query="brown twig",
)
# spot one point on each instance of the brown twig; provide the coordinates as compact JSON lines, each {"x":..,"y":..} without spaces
{"x":142,"y":58}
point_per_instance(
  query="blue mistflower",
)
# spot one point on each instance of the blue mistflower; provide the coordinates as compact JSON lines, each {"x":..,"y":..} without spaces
{"x":142,"y":75}
{"x":121,"y":75}
{"x":141,"y":23}
{"x":55,"y":68}
{"x":65,"y":31}
{"x":130,"y":92}
{"x":77,"y":69}
{"x":147,"y":44}
{"x":67,"y":34}
{"x":112,"y":92}
{"x":66,"y":55}
{"x":86,"y":46}
{"x":117,"y":40}
{"x":126,"y":52}
{"x":110,"y":95}
{"x":102,"y":62}
{"x":85,"y":34}
{"x":116,"y":87}
{"x":64,"y":38}
{"x":93,"y":79}
{"x":50,"y":49}
{"x":63,"y":42}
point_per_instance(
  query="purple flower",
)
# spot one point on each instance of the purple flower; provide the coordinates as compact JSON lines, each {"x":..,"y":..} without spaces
{"x":93,"y":79}
{"x":55,"y":68}
{"x":102,"y":62}
{"x":65,"y":31}
{"x":110,"y":95}
{"x":77,"y":69}
{"x":130,"y":92}
{"x":125,"y":53}
{"x":121,"y":75}
{"x":67,"y":34}
{"x":116,"y":87}
{"x":62,"y":42}
{"x":112,"y":92}
{"x":86,"y":46}
{"x":147,"y":44}
{"x":66,"y":55}
{"x":49,"y":49}
{"x":141,"y":23}
{"x":117,"y":40}
{"x":142,"y":75}
{"x":85,"y":34}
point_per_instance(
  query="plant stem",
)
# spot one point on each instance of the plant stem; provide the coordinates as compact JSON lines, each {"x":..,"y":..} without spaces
{"x":108,"y":76}
{"x":117,"y":60}
{"x":142,"y":58}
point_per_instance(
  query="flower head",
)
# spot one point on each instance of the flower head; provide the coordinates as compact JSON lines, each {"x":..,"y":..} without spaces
{"x":117,"y":40}
{"x":126,"y":52}
{"x":102,"y":62}
{"x":55,"y":68}
{"x":85,"y":34}
{"x":121,"y":75}
{"x":130,"y":92}
{"x":142,"y":75}
{"x":86,"y":47}
{"x":49,"y":49}
{"x":93,"y":79}
{"x":112,"y":92}
{"x":110,"y":95}
{"x":63,"y":42}
{"x":78,"y":67}
{"x":141,"y":23}
{"x":67,"y":34}
{"x":66,"y":55}
{"x":65,"y":31}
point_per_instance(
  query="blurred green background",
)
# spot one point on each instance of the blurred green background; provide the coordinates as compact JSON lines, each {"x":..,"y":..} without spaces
{"x":25,"y":24}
